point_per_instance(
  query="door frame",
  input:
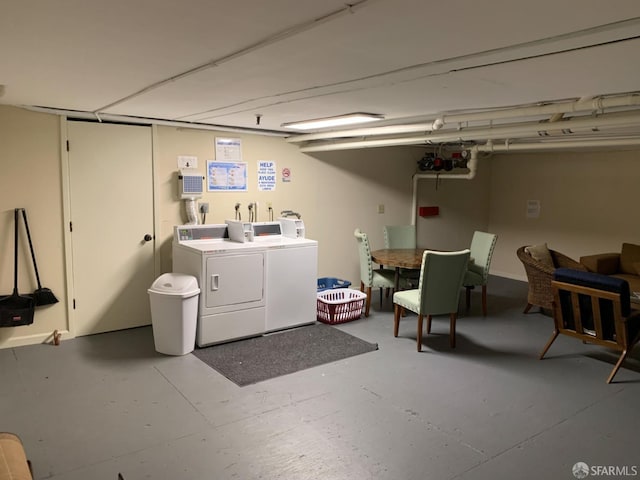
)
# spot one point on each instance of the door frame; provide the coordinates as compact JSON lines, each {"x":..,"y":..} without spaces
{"x":71,"y":331}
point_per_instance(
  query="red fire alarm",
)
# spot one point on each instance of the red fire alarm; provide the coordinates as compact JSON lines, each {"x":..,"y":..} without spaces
{"x":429,"y":211}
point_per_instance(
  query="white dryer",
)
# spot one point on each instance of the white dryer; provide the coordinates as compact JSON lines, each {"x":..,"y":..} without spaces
{"x":232,"y":282}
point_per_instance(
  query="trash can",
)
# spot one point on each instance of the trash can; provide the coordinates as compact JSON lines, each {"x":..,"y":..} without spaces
{"x":174,"y":313}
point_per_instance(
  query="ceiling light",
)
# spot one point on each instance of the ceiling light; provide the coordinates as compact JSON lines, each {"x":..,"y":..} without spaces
{"x":341,"y":120}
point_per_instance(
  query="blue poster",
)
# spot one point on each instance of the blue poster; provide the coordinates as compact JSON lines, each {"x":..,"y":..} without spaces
{"x":226,"y":176}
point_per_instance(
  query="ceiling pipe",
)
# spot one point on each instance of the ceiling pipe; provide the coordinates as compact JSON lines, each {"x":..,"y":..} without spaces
{"x":520,"y":130}
{"x":585,"y":104}
{"x":106,"y":117}
{"x":491,"y":147}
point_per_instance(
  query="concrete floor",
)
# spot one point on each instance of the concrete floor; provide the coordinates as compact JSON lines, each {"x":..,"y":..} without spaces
{"x":101,"y":405}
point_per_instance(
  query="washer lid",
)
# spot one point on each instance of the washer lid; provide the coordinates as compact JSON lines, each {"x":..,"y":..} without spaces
{"x":175,"y":284}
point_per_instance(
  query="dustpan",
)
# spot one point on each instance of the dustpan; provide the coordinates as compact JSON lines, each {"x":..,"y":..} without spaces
{"x":16,"y":309}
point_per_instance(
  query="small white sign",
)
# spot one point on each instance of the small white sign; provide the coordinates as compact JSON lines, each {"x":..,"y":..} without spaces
{"x":228,"y":149}
{"x":187,"y":161}
{"x":533,"y":208}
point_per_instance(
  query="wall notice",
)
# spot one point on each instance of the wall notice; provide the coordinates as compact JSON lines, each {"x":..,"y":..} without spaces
{"x":228,"y":149}
{"x":266,"y":176}
{"x":226,"y":176}
{"x":533,"y":208}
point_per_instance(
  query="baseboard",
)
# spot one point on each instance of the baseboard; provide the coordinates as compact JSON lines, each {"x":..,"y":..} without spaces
{"x":35,"y":339}
{"x":511,"y":276}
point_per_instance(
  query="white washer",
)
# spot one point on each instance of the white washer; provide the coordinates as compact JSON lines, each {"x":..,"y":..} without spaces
{"x":250,"y":287}
{"x":232,"y":282}
{"x":291,"y":277}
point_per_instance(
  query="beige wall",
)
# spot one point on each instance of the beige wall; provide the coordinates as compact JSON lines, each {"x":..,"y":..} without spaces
{"x":335,"y":193}
{"x":587,"y":205}
{"x":587,"y":202}
{"x":463,"y":208}
{"x":31,"y":178}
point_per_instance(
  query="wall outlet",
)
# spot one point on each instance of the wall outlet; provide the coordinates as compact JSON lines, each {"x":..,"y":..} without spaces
{"x":381,"y":208}
{"x":204,"y":207}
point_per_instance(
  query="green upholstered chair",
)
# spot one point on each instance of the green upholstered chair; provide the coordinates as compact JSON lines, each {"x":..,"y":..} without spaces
{"x":482,"y":245}
{"x":438,"y":292}
{"x":370,"y":277}
{"x":400,"y":236}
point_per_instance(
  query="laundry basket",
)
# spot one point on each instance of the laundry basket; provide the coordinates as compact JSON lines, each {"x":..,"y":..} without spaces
{"x":340,"y":305}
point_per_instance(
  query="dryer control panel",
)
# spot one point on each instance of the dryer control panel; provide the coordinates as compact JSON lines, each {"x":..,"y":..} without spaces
{"x":184,"y":233}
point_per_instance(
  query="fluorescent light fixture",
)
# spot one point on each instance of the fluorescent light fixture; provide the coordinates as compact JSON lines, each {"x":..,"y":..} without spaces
{"x":339,"y":121}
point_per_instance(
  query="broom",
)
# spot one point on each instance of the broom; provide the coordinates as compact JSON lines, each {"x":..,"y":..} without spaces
{"x":42,"y":296}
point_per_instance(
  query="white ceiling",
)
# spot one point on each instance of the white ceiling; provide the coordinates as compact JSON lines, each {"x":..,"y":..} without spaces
{"x":223,"y":62}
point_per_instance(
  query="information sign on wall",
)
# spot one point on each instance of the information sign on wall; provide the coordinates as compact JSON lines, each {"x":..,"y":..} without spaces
{"x":226,"y":176}
{"x":266,"y":176}
{"x":228,"y":149}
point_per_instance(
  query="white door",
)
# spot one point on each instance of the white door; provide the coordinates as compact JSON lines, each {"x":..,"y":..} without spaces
{"x":111,"y":207}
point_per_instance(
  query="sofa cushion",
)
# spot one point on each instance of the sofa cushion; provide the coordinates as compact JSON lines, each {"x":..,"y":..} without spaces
{"x":601,"y":282}
{"x":541,"y":254}
{"x":605,"y":263}
{"x":629,"y":257}
{"x":632,"y":280}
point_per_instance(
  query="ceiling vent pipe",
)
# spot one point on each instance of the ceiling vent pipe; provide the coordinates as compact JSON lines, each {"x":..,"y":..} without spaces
{"x":517,"y":130}
{"x":472,"y":165}
{"x":491,"y":147}
{"x":585,"y":104}
{"x":555,"y":109}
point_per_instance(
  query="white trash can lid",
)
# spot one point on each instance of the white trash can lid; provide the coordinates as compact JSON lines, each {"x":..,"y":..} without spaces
{"x":177,"y":284}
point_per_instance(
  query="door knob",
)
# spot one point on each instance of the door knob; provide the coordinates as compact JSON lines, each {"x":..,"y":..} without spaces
{"x":148,"y":238}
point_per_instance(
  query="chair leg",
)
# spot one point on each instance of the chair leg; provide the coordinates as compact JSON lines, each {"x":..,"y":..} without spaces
{"x":419,"y":332}
{"x":429,"y":323}
{"x":368,"y":303}
{"x":452,"y":330}
{"x":554,"y":335}
{"x":623,"y":355}
{"x":484,"y":300}
{"x":468,"y":296}
{"x":396,"y":319}
{"x":527,"y":308}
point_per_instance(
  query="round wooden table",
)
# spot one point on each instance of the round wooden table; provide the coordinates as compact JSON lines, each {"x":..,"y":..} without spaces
{"x":398,"y":258}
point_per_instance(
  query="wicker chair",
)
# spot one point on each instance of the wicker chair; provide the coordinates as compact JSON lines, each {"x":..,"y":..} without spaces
{"x":541,"y":275}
